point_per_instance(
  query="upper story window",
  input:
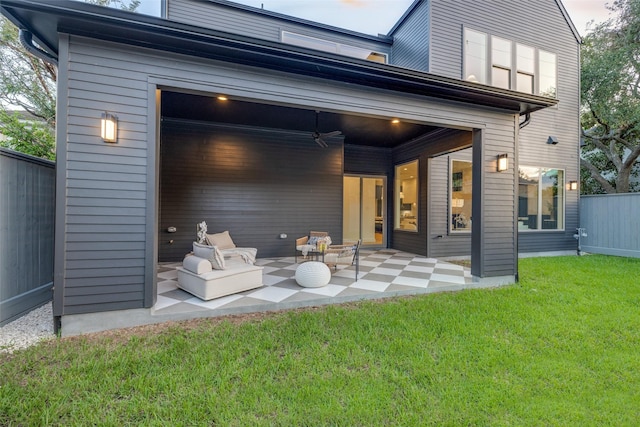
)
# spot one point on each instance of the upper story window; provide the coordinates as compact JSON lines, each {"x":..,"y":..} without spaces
{"x":525,"y":60}
{"x":475,"y":60}
{"x":501,"y":60}
{"x":508,"y":65}
{"x":333,"y":47}
{"x":548,"y":73}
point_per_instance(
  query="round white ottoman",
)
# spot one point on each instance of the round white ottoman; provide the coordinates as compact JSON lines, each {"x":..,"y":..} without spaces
{"x":313,"y":274}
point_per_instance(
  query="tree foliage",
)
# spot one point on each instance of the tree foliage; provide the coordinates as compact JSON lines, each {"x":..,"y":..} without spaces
{"x":26,"y":136}
{"x":29,"y":83}
{"x":610,"y":83}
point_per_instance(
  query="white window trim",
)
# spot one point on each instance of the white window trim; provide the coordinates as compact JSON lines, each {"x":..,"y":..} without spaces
{"x":564,"y":203}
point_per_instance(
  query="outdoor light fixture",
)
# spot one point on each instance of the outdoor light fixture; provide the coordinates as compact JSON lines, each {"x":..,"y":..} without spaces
{"x":553,"y":140}
{"x":503,"y":162}
{"x":109,"y":128}
{"x":573,"y":185}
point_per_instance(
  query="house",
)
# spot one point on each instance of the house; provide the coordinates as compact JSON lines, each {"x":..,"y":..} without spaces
{"x":459,"y":136}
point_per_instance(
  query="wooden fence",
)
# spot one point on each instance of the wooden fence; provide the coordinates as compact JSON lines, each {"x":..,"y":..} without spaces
{"x":611,"y":223}
{"x":27,"y":210}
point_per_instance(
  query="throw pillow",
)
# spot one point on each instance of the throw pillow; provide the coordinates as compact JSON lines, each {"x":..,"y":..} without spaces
{"x":210,"y":253}
{"x":221,"y":240}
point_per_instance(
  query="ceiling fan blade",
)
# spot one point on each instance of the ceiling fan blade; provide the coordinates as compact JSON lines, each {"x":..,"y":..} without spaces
{"x":331,"y":134}
{"x":320,"y":142}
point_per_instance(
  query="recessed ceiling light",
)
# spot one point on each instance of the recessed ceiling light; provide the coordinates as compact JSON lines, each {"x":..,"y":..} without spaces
{"x":395,"y":121}
{"x":222,"y":98}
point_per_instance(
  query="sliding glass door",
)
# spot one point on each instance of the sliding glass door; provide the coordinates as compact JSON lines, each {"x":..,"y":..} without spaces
{"x":364,"y":210}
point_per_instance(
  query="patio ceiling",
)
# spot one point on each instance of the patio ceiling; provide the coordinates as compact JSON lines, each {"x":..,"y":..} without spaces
{"x":357,"y":130}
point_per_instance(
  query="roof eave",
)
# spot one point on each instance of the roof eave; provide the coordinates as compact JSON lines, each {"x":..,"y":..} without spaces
{"x":156,"y":33}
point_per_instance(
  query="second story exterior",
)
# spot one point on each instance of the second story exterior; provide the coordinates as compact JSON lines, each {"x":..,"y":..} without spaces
{"x":525,"y":46}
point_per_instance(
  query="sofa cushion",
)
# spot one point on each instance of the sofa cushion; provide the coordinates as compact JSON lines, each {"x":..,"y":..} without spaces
{"x":221,"y":240}
{"x":197,"y":265}
{"x":210,"y":253}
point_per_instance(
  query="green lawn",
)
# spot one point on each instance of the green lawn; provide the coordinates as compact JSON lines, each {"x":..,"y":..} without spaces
{"x":560,"y":348}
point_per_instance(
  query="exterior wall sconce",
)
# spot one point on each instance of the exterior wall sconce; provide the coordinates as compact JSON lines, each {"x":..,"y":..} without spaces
{"x":503,"y":162}
{"x":573,"y":185}
{"x":109,"y":128}
{"x":553,"y":140}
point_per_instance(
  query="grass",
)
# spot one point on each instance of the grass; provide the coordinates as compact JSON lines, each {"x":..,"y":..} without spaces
{"x":559,"y":348}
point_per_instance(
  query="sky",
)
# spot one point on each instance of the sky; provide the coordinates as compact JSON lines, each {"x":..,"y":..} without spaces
{"x":378,"y":16}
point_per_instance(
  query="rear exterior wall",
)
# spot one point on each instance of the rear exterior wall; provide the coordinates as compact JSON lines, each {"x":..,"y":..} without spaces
{"x":107,"y":210}
{"x":544,"y":28}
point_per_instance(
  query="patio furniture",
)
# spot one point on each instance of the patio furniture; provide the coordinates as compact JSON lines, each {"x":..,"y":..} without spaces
{"x":225,"y":244}
{"x":197,"y":277}
{"x":309,"y":244}
{"x":343,"y":255}
{"x":313,"y":274}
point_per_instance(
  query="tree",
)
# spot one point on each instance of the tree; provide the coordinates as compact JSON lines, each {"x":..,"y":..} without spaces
{"x":29,"y":83}
{"x":610,"y":118}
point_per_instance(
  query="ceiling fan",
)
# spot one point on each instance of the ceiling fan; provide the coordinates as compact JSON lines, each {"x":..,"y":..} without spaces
{"x":319,"y":137}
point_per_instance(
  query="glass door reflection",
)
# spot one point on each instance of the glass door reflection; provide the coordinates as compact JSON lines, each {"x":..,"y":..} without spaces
{"x":364,"y":210}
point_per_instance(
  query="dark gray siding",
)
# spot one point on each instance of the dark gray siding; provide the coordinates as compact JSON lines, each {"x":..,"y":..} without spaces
{"x":367,"y":160}
{"x":442,"y":242}
{"x":411,"y":40}
{"x":238,"y":21}
{"x":544,"y":27}
{"x":256,"y":183}
{"x":104,"y":217}
{"x":106,"y":227}
{"x":27,"y":198}
{"x":433,"y":190}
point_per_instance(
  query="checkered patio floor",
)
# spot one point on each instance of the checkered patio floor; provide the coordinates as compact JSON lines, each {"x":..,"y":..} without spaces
{"x":383,"y":273}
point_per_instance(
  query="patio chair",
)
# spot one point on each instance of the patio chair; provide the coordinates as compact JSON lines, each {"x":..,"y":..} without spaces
{"x":307,"y":244}
{"x":343,"y":255}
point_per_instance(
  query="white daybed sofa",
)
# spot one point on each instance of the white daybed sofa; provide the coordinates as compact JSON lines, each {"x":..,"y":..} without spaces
{"x":207,"y":274}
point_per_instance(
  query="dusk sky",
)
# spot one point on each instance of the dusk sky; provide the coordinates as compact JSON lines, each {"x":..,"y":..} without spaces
{"x":378,"y":16}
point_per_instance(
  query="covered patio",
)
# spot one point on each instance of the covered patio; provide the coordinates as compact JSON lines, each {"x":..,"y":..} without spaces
{"x":383,"y":273}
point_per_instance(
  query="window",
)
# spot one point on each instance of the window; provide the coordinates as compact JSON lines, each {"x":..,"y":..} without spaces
{"x":475,"y":56}
{"x":406,"y":197}
{"x":461,"y":183}
{"x":508,"y":65}
{"x":548,"y":72}
{"x":333,"y":47}
{"x":501,"y":60}
{"x":541,"y":199}
{"x":525,"y":61}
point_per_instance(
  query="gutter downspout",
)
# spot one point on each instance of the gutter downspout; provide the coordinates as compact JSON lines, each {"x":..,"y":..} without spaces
{"x":525,"y":122}
{"x":26,"y":39}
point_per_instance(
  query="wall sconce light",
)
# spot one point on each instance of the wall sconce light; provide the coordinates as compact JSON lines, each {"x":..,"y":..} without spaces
{"x":109,"y":128}
{"x":553,"y":140}
{"x":573,"y":185}
{"x":503,"y":162}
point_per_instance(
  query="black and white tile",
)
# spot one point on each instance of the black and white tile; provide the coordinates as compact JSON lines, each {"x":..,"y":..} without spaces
{"x":382,"y":273}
